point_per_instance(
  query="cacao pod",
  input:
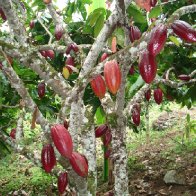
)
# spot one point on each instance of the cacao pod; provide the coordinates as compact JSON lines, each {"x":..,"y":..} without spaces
{"x":59,"y":31}
{"x":13,"y":133}
{"x":2,"y":14}
{"x":70,"y":61}
{"x":66,"y":72}
{"x":43,"y":53}
{"x":158,"y":95}
{"x":66,"y":124}
{"x":1,"y":65}
{"x":79,"y":164}
{"x":101,"y":130}
{"x":62,"y":182}
{"x":112,"y":75}
{"x":134,"y":33}
{"x":73,"y":47}
{"x":32,"y":24}
{"x":107,"y":138}
{"x":47,"y":1}
{"x":48,"y":158}
{"x":184,"y":30}
{"x":104,"y":56}
{"x":147,"y":67}
{"x":41,"y":89}
{"x":145,"y":4}
{"x":131,"y":71}
{"x":157,"y":39}
{"x":148,"y":94}
{"x":50,"y":54}
{"x":184,"y":77}
{"x":62,"y":140}
{"x":136,"y":115}
{"x":98,"y":86}
{"x":107,"y":154}
{"x":153,"y":3}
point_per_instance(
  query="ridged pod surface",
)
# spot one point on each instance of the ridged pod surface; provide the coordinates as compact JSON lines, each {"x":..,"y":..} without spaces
{"x":41,"y":89}
{"x":48,"y":158}
{"x":62,"y":140}
{"x":62,"y":182}
{"x":79,"y":164}
{"x":101,"y":130}
{"x":134,"y":33}
{"x":98,"y":86}
{"x":13,"y":133}
{"x":147,"y":67}
{"x":136,"y":115}
{"x":158,"y":95}
{"x":157,"y":39}
{"x":184,"y":77}
{"x":148,"y":94}
{"x":112,"y":75}
{"x":184,"y":30}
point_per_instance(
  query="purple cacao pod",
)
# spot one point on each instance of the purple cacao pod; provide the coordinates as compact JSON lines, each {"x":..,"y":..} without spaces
{"x":158,"y":95}
{"x":62,"y":182}
{"x":101,"y":130}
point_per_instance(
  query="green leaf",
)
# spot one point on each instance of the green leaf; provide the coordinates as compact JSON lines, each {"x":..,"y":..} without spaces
{"x":155,"y":12}
{"x":100,"y":116}
{"x":174,"y":40}
{"x":99,"y":25}
{"x":139,"y":82}
{"x":188,"y":118}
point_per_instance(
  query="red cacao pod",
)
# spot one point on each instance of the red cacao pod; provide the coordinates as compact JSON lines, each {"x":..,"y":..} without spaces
{"x":62,"y":140}
{"x":134,"y":33}
{"x":101,"y":130}
{"x":43,"y":53}
{"x":184,"y":77}
{"x":13,"y":133}
{"x":62,"y":182}
{"x":136,"y":115}
{"x":79,"y":164}
{"x":104,"y":56}
{"x":32,"y":24}
{"x":131,"y":71}
{"x":107,"y":138}
{"x":48,"y":158}
{"x":66,"y":124}
{"x":50,"y":54}
{"x":184,"y":30}
{"x":145,"y":4}
{"x":41,"y":89}
{"x":2,"y":14}
{"x":157,"y":39}
{"x":158,"y":95}
{"x":148,"y":94}
{"x":153,"y":3}
{"x":98,"y":86}
{"x":59,"y":31}
{"x":107,"y":154}
{"x":73,"y":47}
{"x":147,"y":67}
{"x":47,"y":1}
{"x":112,"y":75}
{"x":70,"y":61}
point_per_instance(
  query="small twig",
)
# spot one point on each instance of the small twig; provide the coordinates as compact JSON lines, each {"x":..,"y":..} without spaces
{"x":10,"y":106}
{"x":168,"y":72}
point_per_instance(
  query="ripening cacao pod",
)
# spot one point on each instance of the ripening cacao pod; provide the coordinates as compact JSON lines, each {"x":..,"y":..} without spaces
{"x":136,"y":115}
{"x":2,"y":14}
{"x":73,"y":47}
{"x":112,"y":75}
{"x":101,"y":130}
{"x":50,"y":54}
{"x":48,"y":158}
{"x":59,"y":31}
{"x":157,"y":39}
{"x":13,"y":133}
{"x":134,"y":33}
{"x":66,"y":124}
{"x":41,"y":89}
{"x":145,"y":4}
{"x":158,"y":95}
{"x":153,"y":3}
{"x":131,"y":70}
{"x":148,"y":94}
{"x":104,"y":56}
{"x":47,"y":1}
{"x":62,"y":182}
{"x":66,"y":72}
{"x":107,"y":138}
{"x":32,"y":24}
{"x":98,"y":86}
{"x":43,"y":53}
{"x":70,"y":61}
{"x":147,"y":67}
{"x":79,"y":164}
{"x":184,"y":30}
{"x":62,"y":140}
{"x":107,"y":154}
{"x":184,"y":77}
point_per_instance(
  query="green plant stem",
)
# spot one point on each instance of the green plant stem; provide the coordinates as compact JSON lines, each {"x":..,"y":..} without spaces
{"x":105,"y":166}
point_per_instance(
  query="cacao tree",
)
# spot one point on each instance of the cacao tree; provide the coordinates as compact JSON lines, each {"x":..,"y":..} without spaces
{"x":85,"y":79}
